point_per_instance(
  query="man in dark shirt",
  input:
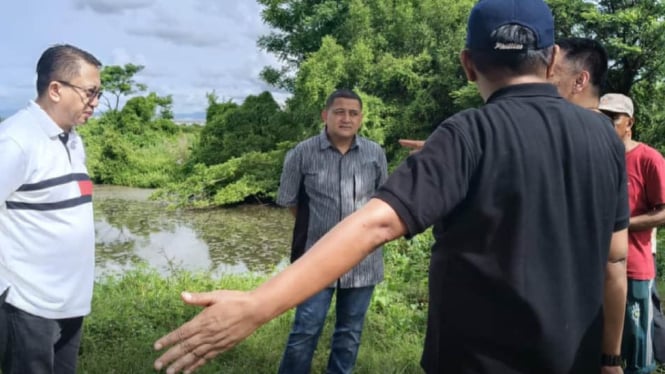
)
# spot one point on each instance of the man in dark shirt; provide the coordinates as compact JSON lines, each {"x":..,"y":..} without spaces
{"x":528,"y":200}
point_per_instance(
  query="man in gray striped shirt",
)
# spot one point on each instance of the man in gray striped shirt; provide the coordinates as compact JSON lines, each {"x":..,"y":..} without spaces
{"x":339,"y":172}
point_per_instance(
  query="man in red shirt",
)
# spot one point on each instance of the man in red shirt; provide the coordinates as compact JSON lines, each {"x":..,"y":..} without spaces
{"x":646,"y":195}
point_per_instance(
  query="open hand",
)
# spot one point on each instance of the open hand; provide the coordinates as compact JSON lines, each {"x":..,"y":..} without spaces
{"x":227,"y":319}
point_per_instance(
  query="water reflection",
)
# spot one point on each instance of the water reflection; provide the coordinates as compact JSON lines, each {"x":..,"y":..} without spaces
{"x":132,"y":230}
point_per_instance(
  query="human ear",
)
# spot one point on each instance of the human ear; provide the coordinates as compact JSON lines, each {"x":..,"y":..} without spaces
{"x":550,"y":65}
{"x":468,"y":65}
{"x":53,"y":91}
{"x":582,"y":80}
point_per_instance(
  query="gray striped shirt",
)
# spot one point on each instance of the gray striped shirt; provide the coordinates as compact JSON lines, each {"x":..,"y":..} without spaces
{"x":336,"y":185}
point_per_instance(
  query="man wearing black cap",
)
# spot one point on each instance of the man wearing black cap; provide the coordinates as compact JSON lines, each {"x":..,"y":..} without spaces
{"x":528,"y":200}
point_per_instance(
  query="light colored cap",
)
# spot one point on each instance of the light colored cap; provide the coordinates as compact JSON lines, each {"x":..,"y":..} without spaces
{"x":616,"y":103}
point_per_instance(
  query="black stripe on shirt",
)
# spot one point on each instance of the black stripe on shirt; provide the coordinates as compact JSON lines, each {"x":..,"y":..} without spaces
{"x":50,"y":206}
{"x":54,"y":182}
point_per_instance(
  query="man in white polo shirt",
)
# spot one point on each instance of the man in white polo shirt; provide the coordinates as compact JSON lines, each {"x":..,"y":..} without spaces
{"x":46,"y":223}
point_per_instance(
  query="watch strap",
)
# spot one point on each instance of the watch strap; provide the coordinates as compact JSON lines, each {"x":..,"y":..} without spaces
{"x":610,"y":360}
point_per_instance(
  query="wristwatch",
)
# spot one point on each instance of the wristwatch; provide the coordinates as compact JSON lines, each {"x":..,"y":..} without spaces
{"x":610,"y":360}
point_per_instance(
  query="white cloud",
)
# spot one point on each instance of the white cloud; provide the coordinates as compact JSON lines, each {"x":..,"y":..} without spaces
{"x":112,"y":6}
{"x":188,"y":48}
{"x":177,"y":37}
{"x":121,"y":56}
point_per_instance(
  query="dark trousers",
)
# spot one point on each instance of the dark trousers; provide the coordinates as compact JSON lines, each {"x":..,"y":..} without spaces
{"x":637,"y":340}
{"x":658,"y":321}
{"x":32,"y":344}
{"x":351,"y":307}
{"x":658,"y":327}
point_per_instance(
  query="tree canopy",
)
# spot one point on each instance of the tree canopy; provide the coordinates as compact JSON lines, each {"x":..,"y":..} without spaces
{"x":633,"y":33}
{"x":118,"y":81}
{"x":404,"y":55}
{"x":401,"y":57}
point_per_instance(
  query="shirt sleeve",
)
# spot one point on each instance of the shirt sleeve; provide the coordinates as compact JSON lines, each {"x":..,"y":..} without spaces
{"x":12,"y":168}
{"x":432,"y":182}
{"x":383,"y":169}
{"x":655,"y":179}
{"x":289,"y":182}
{"x":622,"y":219}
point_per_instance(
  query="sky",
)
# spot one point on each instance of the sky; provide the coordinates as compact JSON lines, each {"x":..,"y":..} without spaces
{"x":188,"y":47}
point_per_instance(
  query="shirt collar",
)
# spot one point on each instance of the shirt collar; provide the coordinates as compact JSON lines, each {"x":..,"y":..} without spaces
{"x":45,"y":122}
{"x":525,"y":90}
{"x":325,"y":142}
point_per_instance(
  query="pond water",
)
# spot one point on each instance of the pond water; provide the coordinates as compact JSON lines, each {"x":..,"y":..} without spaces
{"x":132,"y":230}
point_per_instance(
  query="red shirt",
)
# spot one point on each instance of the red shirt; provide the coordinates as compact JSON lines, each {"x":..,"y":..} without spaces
{"x":645,"y":168}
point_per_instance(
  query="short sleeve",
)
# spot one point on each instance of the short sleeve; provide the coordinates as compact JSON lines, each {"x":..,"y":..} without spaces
{"x":429,"y":184}
{"x":12,"y":168}
{"x":655,"y":179}
{"x":622,"y":219}
{"x":289,"y":183}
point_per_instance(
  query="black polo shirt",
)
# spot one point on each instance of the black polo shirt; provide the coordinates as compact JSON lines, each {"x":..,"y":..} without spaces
{"x":524,"y":195}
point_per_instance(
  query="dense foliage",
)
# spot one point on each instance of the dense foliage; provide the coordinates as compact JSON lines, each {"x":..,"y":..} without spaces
{"x":401,"y":57}
{"x":139,"y":145}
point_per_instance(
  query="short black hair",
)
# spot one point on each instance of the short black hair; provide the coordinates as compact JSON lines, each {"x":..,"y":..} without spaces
{"x":517,"y":62}
{"x":587,"y":54}
{"x":343,"y":93}
{"x":61,"y":62}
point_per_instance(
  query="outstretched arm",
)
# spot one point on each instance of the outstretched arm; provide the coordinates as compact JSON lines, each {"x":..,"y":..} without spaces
{"x":231,"y":316}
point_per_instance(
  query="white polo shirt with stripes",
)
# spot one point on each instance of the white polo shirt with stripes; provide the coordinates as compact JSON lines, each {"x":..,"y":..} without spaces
{"x":47,"y":235}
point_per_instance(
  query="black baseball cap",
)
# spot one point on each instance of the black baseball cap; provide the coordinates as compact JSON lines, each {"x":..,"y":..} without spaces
{"x":488,"y":15}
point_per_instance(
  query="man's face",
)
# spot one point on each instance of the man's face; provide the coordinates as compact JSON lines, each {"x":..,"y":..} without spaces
{"x":564,"y":76}
{"x":80,"y":95}
{"x":622,"y":124}
{"x":343,"y":118}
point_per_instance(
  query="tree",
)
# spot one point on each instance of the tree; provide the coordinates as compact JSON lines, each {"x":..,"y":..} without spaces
{"x":302,"y":24}
{"x":402,"y":55}
{"x":211,"y":138}
{"x":405,"y":54}
{"x":119,"y":81}
{"x":233,"y":130}
{"x":633,"y":33}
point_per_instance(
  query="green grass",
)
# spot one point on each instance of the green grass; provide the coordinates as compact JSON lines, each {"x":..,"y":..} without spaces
{"x":130,"y":313}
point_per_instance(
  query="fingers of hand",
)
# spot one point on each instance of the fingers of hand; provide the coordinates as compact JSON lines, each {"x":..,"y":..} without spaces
{"x":179,"y":341}
{"x":406,"y":143}
{"x":202,"y":338}
{"x":412,"y":144}
{"x":200,"y":299}
{"x":176,"y":336}
{"x":185,"y":354}
{"x":209,"y":354}
{"x":192,"y":357}
{"x":213,"y":331}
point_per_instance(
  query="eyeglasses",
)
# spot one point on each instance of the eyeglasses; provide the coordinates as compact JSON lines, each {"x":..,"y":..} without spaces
{"x":90,"y":93}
